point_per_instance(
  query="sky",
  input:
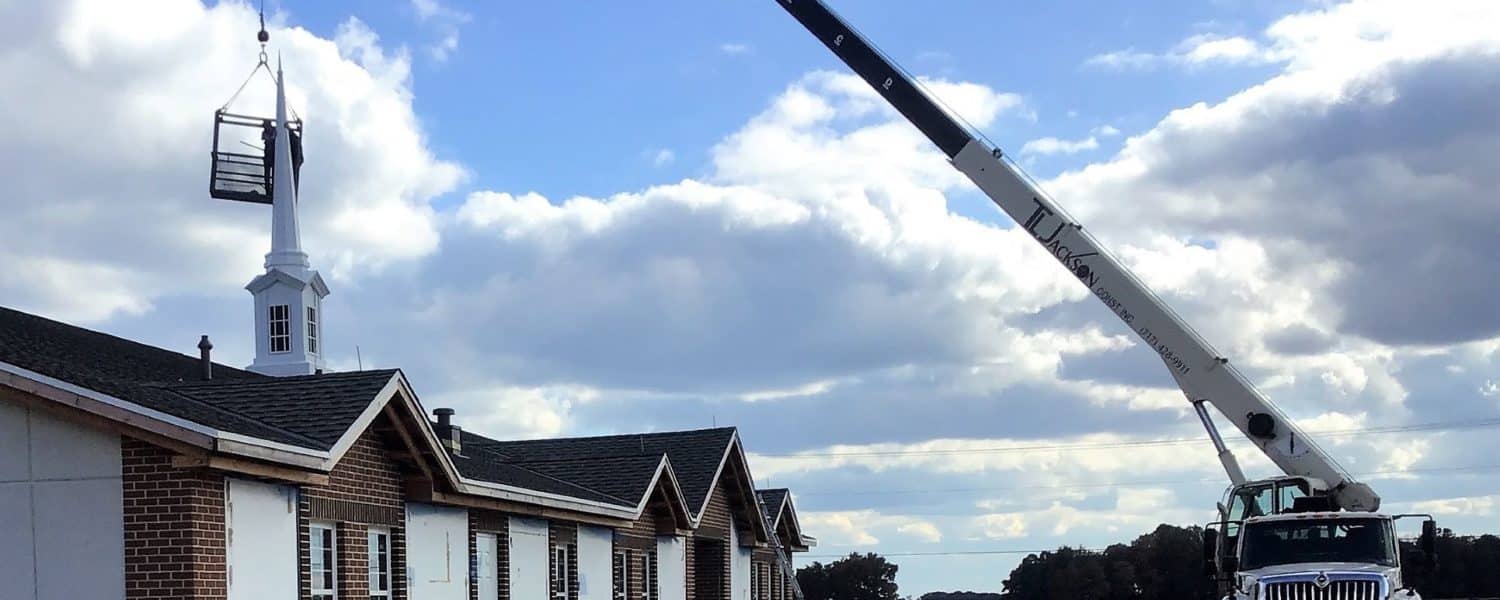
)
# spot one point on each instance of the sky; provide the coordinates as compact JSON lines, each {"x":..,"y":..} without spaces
{"x":571,"y":218}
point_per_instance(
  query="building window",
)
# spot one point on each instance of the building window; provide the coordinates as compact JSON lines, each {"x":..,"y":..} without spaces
{"x":312,"y":330}
{"x":323,"y":563}
{"x":560,"y":573}
{"x":754,"y":581}
{"x":648,"y":581}
{"x":622,"y":575}
{"x":280,"y":321}
{"x":380,"y":563}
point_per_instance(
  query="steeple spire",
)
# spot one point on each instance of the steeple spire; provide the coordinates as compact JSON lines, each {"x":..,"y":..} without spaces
{"x":289,"y":295}
{"x":286,"y":236}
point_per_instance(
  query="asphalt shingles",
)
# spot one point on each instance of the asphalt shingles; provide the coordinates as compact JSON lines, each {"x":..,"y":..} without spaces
{"x":311,"y":411}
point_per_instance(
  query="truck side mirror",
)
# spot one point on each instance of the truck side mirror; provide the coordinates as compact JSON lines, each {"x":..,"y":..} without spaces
{"x":1429,"y":541}
{"x":1210,"y":548}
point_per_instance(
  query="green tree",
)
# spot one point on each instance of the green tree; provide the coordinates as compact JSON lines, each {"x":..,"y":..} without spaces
{"x":1165,"y":564}
{"x":854,"y":577}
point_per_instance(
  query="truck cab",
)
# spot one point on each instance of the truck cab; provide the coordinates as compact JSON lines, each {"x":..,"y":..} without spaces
{"x":1334,"y":555}
{"x":1278,"y":540}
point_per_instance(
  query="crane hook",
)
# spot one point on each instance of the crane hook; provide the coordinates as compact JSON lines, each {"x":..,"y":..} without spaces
{"x":263,"y":36}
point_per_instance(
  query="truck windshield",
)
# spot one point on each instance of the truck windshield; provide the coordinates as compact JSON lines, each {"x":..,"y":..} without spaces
{"x":1283,"y":542}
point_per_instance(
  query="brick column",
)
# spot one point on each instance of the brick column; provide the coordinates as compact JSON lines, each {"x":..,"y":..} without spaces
{"x":353,"y":559}
{"x":174,"y":527}
{"x":398,"y":563}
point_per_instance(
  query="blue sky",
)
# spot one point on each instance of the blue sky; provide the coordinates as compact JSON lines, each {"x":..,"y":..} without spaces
{"x":574,"y":218}
{"x":565,"y":98}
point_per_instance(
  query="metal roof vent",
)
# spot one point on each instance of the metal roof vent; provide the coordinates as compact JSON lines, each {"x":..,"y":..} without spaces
{"x":449,"y":435}
{"x":205,"y":358}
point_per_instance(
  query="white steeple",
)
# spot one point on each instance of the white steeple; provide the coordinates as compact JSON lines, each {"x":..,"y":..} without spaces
{"x":289,"y":295}
{"x":286,"y":236}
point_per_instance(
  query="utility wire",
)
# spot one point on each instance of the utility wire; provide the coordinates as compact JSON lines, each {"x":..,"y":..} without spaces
{"x":1434,"y":426}
{"x":954,"y":553}
{"x":1121,"y":484}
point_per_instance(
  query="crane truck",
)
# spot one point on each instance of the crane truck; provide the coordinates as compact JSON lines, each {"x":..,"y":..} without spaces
{"x":1312,"y":533}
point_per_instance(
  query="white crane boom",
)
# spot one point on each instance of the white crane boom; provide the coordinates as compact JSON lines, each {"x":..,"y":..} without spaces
{"x":1203,"y":375}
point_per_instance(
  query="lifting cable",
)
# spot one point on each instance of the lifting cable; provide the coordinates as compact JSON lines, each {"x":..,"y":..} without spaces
{"x":263,"y":63}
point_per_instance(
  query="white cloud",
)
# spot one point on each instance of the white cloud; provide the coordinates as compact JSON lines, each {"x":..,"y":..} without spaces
{"x":1202,"y":49}
{"x":1194,"y":51}
{"x":508,"y":412}
{"x":1472,"y":506}
{"x":734,"y":48}
{"x":861,"y":528}
{"x":1106,"y":131}
{"x":1135,"y":510}
{"x":445,"y":21}
{"x":1051,"y":145}
{"x":1095,"y":456}
{"x":143,"y":161}
{"x":663,"y":157}
{"x":922,"y":530}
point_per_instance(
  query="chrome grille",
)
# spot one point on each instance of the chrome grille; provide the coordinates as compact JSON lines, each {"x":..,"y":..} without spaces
{"x":1356,"y":589}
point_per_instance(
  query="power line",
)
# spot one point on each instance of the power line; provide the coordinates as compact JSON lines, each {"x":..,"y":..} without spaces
{"x":1125,"y":484}
{"x":953,"y":553}
{"x":1434,"y":426}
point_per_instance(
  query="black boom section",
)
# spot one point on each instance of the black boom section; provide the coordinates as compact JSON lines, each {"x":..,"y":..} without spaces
{"x":891,"y":83}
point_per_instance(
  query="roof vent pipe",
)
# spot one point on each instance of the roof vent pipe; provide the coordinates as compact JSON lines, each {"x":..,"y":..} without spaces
{"x":448,"y":434}
{"x":205,"y":360}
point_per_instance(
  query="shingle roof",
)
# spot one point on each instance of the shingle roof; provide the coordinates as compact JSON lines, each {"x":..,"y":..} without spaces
{"x":480,"y":461}
{"x":320,"y":407}
{"x":309,"y":411}
{"x":695,"y":455}
{"x":771,"y":500}
{"x":627,"y":477}
{"x":314,"y":411}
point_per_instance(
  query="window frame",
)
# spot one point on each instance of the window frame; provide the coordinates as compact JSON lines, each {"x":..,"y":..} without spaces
{"x":648,"y":576}
{"x":621,"y":590}
{"x":330,"y":553}
{"x":755,"y":580}
{"x":279,"y":337}
{"x":312,"y":330}
{"x":559,"y":575}
{"x":375,"y":566}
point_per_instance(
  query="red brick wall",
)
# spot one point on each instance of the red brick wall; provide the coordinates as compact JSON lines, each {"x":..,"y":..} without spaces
{"x":174,"y":527}
{"x":714,"y":526}
{"x":364,"y":489}
{"x":640,"y":537}
{"x":366,"y":474}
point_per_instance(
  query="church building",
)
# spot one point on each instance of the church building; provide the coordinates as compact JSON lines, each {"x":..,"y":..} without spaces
{"x":134,"y":472}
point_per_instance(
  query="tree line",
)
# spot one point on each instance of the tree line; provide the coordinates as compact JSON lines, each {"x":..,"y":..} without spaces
{"x":1166,"y":563}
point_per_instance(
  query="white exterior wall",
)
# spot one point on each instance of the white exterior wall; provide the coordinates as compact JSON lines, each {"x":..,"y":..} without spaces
{"x":528,"y":558}
{"x":437,"y":552}
{"x":487,"y":546}
{"x":739,"y":567}
{"x":671,"y":567}
{"x":61,"y":509}
{"x":262,"y":544}
{"x":596,"y":546}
